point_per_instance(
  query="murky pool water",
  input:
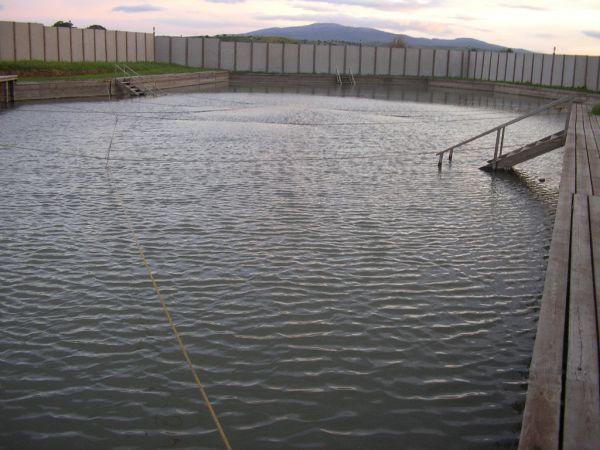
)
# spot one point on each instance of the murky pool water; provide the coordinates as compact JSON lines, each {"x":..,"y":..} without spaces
{"x":333,"y":289}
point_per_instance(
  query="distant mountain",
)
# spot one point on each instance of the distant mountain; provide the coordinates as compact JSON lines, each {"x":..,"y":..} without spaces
{"x":342,"y":33}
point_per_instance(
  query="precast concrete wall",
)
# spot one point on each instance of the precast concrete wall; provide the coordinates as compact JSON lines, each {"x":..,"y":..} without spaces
{"x":227,"y":56}
{"x":77,"y":45}
{"x":211,"y":53}
{"x":291,"y":58}
{"x":322,"y":59}
{"x":367,"y":61}
{"x":111,"y":45}
{"x":440,"y":63}
{"x":88,"y":45}
{"x":100,"y":45}
{"x":382,"y":60}
{"x":259,"y":57}
{"x":162,"y":49}
{"x":456,"y":64}
{"x":352,"y":59}
{"x":275,"y":58}
{"x":306,"y":58}
{"x":21,"y":34}
{"x":194,"y":52}
{"x":413,"y":57}
{"x":397,"y":63}
{"x":178,"y":51}
{"x":337,"y":59}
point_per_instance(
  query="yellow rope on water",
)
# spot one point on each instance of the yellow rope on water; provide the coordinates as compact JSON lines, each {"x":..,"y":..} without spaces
{"x":184,"y":351}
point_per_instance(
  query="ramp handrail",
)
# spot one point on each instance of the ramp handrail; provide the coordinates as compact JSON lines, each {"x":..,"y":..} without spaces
{"x":500,"y":129}
{"x":129,"y":72}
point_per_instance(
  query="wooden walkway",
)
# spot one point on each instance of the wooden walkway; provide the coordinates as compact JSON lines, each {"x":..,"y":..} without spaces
{"x":562,"y":409}
{"x":7,"y":89}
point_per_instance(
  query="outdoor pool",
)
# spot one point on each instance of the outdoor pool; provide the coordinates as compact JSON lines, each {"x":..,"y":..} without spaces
{"x":333,"y":288}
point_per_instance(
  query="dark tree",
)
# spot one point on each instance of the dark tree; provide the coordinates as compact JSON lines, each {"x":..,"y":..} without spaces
{"x":96,"y":27}
{"x":62,"y":23}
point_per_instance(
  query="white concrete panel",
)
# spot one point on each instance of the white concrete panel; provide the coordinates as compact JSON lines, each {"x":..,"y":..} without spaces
{"x":77,"y":44}
{"x":426,"y":69}
{"x":352,"y":59}
{"x":322,"y":59}
{"x":547,"y":70}
{"x":487,"y":59}
{"x":527,"y":67}
{"x":88,"y":45}
{"x":131,"y":49}
{"x":412,"y":61}
{"x":367,"y":62}
{"x":178,"y":50}
{"x":51,"y":43}
{"x":397,"y":67}
{"x":37,"y":41}
{"x":194,"y":56}
{"x":441,"y":63}
{"x":290,"y":58}
{"x":557,"y":71}
{"x":455,"y":66}
{"x":471,"y":60}
{"x":243,"y":56}
{"x":494,"y":61}
{"x":111,"y":45}
{"x":580,"y":64}
{"x":227,"y":55}
{"x":519,"y":67}
{"x":479,"y":61}
{"x":382,"y":64}
{"x":7,"y":42}
{"x":536,"y":76}
{"x":259,"y":57}
{"x":149,"y":47}
{"x":501,"y":75}
{"x":275,"y":63}
{"x":121,"y":46}
{"x":140,"y":44}
{"x":510,"y":66}
{"x":568,"y":71}
{"x":592,"y":73}
{"x":337,"y":58}
{"x":100,"y":45}
{"x":211,"y":53}
{"x":161,"y":49}
{"x":22,"y":41}
{"x":306,"y":58}
{"x":64,"y":44}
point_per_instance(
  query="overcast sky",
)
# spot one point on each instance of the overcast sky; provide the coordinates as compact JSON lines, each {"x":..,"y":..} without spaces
{"x":573,"y":26}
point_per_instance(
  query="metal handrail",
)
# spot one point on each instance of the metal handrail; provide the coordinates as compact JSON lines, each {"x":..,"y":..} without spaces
{"x":501,"y":128}
{"x":129,"y":72}
{"x":339,"y":78}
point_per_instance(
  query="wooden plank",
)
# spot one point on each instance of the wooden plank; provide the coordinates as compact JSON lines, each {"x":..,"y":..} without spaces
{"x":582,"y":399}
{"x":595,"y":234}
{"x":595,"y":129}
{"x":567,"y":179}
{"x":592,"y":152}
{"x":583,"y":179}
{"x":542,"y":414}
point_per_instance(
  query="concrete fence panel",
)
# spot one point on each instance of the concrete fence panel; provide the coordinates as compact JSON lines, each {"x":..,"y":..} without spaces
{"x":178,"y":50}
{"x":580,"y":71}
{"x":352,"y":59}
{"x":519,"y":67}
{"x":510,"y":67}
{"x":486,"y":67}
{"x":211,"y":53}
{"x":227,"y":55}
{"x":592,"y":79}
{"x":367,"y":60}
{"x":77,"y":44}
{"x":412,"y":62}
{"x":121,"y":46}
{"x":22,"y":44}
{"x":88,"y":45}
{"x":259,"y":57}
{"x":7,"y":41}
{"x":290,"y":58}
{"x":111,"y":45}
{"x":162,"y":49}
{"x":337,"y":58}
{"x":100,"y":41}
{"x":140,"y":46}
{"x":547,"y":68}
{"x":455,"y":63}
{"x":471,"y":57}
{"x":527,"y":68}
{"x":440,"y":63}
{"x":536,"y":74}
{"x":149,"y":47}
{"x":426,"y":69}
{"x":557,"y":70}
{"x":397,"y":63}
{"x":501,"y":73}
{"x":194,"y":52}
{"x":382,"y":60}
{"x":322,"y":59}
{"x":64,"y":44}
{"x":306,"y":58}
{"x":50,"y":44}
{"x":494,"y":61}
{"x":568,"y":71}
{"x":36,"y":33}
{"x":275,"y":63}
{"x":131,"y":46}
{"x":479,"y":57}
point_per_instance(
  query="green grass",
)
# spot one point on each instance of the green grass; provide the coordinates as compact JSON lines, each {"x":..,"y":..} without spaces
{"x":61,"y":70}
{"x":596,"y":110}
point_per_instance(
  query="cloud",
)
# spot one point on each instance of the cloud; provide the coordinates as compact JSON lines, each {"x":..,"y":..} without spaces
{"x":592,"y":34}
{"x":313,"y":7}
{"x":1,"y":7}
{"x":137,"y":8}
{"x":529,"y":7}
{"x":384,"y":5}
{"x":226,"y":1}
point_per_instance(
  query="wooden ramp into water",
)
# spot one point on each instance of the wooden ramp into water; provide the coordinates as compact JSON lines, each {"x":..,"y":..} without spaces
{"x":562,"y":409}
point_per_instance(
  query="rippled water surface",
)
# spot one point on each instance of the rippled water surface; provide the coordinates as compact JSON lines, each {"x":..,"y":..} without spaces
{"x":334,"y":290}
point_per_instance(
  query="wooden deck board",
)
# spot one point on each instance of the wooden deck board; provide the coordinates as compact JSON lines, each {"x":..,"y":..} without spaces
{"x":592,"y":153}
{"x":583,"y":182}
